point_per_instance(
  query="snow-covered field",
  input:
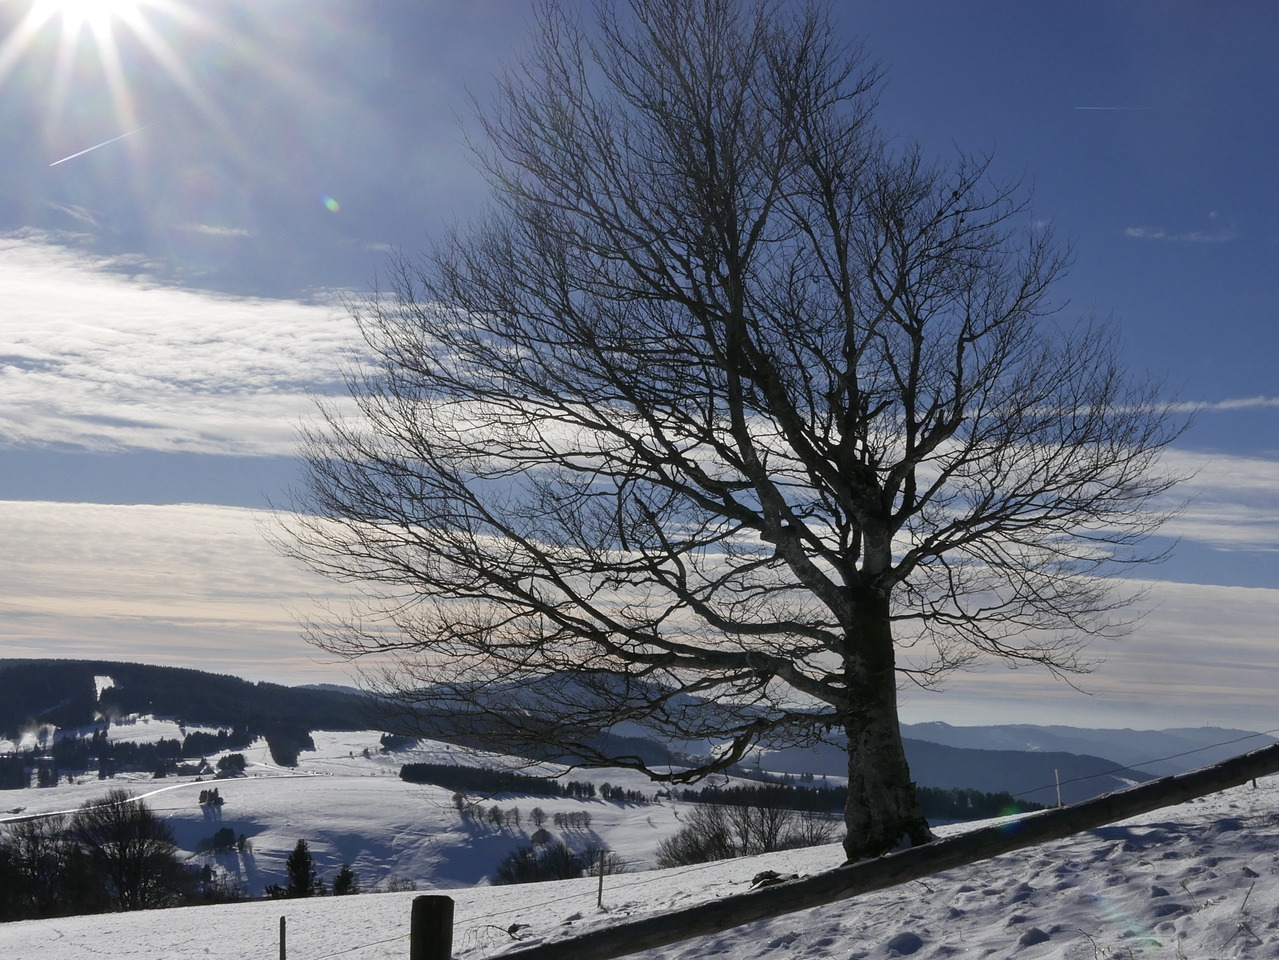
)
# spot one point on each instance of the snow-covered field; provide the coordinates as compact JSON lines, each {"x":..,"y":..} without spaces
{"x":1200,"y":880}
{"x":134,"y":729}
{"x":352,"y":808}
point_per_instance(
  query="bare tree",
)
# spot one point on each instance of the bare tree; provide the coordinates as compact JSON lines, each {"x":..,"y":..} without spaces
{"x":729,"y":417}
{"x":53,"y":875}
{"x":133,"y":852}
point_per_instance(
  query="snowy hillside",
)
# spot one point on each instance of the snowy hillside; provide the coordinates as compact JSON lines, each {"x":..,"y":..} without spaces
{"x":1200,"y":880}
{"x":347,"y":801}
{"x":1194,"y":881}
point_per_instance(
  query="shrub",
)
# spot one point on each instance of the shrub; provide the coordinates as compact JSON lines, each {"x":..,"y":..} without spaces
{"x":551,"y":861}
{"x":705,"y":836}
{"x":717,"y":832}
{"x":223,"y":841}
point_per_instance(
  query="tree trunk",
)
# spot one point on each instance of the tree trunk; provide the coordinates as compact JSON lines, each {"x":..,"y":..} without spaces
{"x":883,"y":807}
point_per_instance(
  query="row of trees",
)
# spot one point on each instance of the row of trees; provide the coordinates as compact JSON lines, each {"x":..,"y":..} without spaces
{"x":938,"y":803}
{"x":486,"y":780}
{"x":97,"y":753}
{"x":66,"y":756}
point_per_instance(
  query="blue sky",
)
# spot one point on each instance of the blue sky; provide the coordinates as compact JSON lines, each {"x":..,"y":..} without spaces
{"x":170,"y":299}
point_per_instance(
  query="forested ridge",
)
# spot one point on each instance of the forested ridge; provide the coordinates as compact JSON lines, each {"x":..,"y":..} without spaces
{"x":64,"y":693}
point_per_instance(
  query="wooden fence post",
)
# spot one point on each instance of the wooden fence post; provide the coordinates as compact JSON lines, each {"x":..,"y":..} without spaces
{"x":600,"y":900}
{"x":282,"y":939}
{"x":431,"y":928}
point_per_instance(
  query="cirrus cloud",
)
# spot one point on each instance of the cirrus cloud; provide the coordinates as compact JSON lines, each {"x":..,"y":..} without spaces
{"x":98,"y":360}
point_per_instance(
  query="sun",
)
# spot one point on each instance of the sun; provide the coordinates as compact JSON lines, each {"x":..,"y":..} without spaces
{"x":99,"y":16}
{"x":86,"y":63}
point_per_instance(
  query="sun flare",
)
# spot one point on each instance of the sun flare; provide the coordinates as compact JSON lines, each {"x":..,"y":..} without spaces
{"x":90,"y":64}
{"x":97,"y":15}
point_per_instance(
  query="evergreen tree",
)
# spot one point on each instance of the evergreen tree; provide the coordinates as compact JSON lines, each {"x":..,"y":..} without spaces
{"x":346,"y":882}
{"x":300,"y":867}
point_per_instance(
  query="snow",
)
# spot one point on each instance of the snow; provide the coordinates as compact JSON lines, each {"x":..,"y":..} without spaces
{"x":1196,"y":880}
{"x":147,"y":729}
{"x":137,"y":728}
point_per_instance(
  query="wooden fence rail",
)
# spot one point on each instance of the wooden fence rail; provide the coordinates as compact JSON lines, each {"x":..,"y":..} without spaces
{"x":868,"y":876}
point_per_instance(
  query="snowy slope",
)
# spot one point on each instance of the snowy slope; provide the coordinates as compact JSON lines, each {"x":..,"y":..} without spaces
{"x":1194,"y":881}
{"x":1200,"y":880}
{"x":352,"y":808}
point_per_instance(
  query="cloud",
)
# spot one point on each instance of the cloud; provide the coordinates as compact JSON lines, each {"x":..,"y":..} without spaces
{"x":1233,"y":501}
{"x":76,"y":212}
{"x":102,"y":361}
{"x":191,"y":585}
{"x":1232,"y":405}
{"x":1203,"y":655}
{"x":198,"y":586}
{"x":1190,"y":236}
{"x":210,"y":230}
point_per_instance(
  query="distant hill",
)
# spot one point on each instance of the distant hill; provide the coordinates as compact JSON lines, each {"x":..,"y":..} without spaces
{"x":1026,"y":775}
{"x":68,"y":693}
{"x":1023,"y":760}
{"x":1160,"y":752}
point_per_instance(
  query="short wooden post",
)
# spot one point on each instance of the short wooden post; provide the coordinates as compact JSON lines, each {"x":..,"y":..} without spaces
{"x":431,"y":929}
{"x":600,"y":900}
{"x":282,"y":939}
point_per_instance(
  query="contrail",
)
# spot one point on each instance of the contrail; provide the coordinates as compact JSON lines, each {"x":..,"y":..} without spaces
{"x":103,"y":144}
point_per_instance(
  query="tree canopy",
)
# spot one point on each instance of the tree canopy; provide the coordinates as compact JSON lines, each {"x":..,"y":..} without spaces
{"x":731,"y":414}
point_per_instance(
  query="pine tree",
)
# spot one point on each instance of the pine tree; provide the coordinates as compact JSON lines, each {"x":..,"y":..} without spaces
{"x":346,"y":882}
{"x":302,"y":881}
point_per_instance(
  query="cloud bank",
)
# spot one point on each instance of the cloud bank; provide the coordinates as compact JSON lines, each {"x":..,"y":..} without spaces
{"x":99,"y":361}
{"x":1185,"y":236}
{"x":188,"y":585}
{"x":93,"y":358}
{"x":198,"y":586}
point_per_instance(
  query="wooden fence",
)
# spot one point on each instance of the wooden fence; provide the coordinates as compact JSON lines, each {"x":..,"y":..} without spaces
{"x":868,"y":876}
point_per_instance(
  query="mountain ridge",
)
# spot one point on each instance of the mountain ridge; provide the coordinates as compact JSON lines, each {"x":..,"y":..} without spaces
{"x":1086,"y":762}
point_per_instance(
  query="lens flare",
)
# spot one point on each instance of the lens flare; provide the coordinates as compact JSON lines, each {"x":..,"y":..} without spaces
{"x":98,"y":15}
{"x":84,"y":61}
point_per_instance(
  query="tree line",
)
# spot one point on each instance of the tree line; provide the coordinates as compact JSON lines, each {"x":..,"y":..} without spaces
{"x":99,"y":754}
{"x":938,"y":803}
{"x":64,"y":693}
{"x":486,"y":780}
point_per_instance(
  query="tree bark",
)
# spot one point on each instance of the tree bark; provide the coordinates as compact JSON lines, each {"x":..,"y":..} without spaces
{"x":882,"y":808}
